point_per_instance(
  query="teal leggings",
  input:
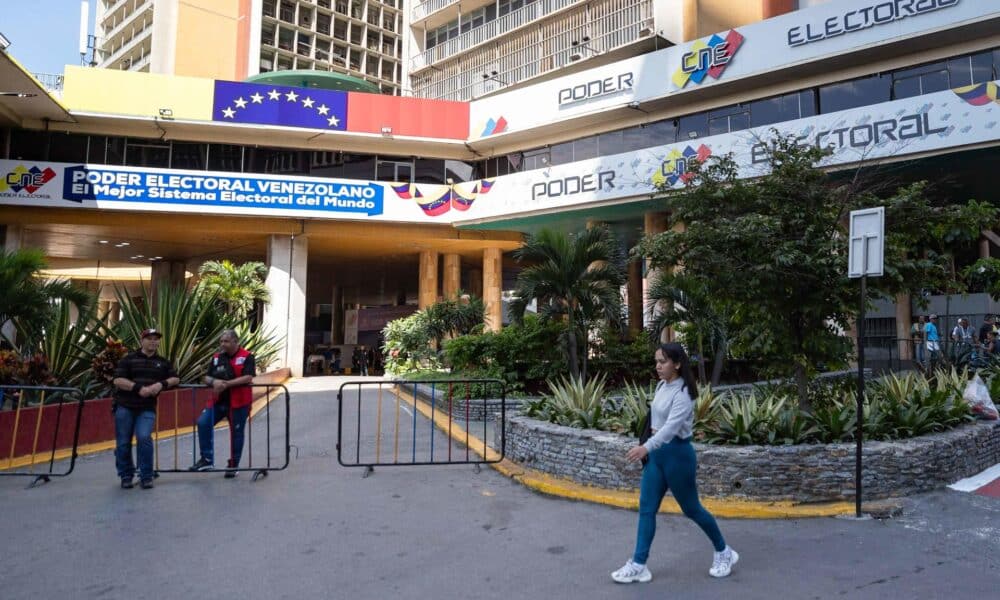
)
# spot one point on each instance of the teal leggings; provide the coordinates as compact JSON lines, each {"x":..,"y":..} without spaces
{"x":672,"y":465}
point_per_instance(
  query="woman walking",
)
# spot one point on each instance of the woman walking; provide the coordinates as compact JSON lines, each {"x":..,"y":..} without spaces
{"x":672,"y":464}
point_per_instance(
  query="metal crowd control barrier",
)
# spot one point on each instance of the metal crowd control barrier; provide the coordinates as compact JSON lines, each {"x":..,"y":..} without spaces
{"x":34,"y":432}
{"x":259,"y":458}
{"x":411,"y":423}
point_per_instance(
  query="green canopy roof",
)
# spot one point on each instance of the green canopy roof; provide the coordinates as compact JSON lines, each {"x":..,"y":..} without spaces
{"x":324,"y":80}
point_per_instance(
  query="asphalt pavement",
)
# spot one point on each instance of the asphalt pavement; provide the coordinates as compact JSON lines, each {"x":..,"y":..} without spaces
{"x":320,"y":530}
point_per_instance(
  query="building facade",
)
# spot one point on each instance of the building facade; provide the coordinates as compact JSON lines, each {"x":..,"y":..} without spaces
{"x":239,"y":38}
{"x":364,"y":205}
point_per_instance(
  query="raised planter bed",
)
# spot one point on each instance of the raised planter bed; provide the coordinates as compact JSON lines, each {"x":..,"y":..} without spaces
{"x":805,"y":473}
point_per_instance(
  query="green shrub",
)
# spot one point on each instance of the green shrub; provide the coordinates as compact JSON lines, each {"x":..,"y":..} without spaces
{"x":408,"y":345}
{"x":524,"y":356}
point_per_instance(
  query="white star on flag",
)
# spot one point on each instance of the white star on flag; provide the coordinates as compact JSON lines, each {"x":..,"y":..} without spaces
{"x":273,"y":95}
{"x":308,"y":102}
{"x":323,"y":109}
{"x":333,"y":121}
{"x":257,"y":98}
{"x":228,"y":112}
{"x":240,"y":102}
{"x":292,"y":96}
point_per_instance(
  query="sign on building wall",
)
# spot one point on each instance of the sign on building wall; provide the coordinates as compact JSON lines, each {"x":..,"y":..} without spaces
{"x":46,"y":184}
{"x":927,"y":123}
{"x":795,"y":38}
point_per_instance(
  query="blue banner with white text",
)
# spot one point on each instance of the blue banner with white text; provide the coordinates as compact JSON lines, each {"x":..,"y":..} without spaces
{"x":238,"y":191}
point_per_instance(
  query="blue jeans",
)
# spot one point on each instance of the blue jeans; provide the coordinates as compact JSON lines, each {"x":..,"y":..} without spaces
{"x":671,"y":465}
{"x":237,"y":424}
{"x":138,"y":422}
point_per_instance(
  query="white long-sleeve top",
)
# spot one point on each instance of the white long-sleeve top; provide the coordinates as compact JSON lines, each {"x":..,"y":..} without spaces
{"x":671,"y":413}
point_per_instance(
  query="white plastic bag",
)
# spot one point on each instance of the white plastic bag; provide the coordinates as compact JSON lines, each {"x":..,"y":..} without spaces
{"x":978,"y":396}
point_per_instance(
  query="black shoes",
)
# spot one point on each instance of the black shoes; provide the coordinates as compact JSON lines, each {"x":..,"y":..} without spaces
{"x":127,"y":483}
{"x":203,"y":464}
{"x":146,"y":484}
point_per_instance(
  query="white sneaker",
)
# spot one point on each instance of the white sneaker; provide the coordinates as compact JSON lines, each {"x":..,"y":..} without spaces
{"x":723,"y":562}
{"x":632,"y":572}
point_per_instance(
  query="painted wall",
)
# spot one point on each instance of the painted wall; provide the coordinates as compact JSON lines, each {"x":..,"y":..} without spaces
{"x":208,"y":39}
{"x":141,"y":94}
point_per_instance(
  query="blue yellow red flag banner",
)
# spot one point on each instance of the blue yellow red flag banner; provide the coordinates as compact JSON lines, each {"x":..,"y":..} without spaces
{"x":236,"y":102}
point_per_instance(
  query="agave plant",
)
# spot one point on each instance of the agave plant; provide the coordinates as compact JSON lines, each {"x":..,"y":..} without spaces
{"x":748,"y":419}
{"x":575,"y":403}
{"x":70,"y":348}
{"x":634,"y":407}
{"x":191,"y":325}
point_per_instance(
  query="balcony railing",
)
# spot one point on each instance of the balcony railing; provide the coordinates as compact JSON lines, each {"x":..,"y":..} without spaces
{"x":52,"y":82}
{"x":516,"y":64}
{"x":139,"y":13}
{"x":484,"y":33}
{"x":116,"y":53}
{"x":429,"y":7}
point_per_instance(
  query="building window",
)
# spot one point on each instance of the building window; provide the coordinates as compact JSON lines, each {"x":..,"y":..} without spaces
{"x":788,"y":107}
{"x":141,"y":153}
{"x":728,"y":119}
{"x":865,"y":91}
{"x":925,"y":79}
{"x":535,"y":159}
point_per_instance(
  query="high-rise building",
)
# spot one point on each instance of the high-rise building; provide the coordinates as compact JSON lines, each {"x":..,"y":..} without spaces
{"x":238,"y":38}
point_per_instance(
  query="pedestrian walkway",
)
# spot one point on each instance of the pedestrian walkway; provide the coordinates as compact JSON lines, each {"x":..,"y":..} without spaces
{"x":986,"y":483}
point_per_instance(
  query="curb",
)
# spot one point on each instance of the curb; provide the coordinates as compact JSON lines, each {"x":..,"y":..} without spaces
{"x":733,"y":508}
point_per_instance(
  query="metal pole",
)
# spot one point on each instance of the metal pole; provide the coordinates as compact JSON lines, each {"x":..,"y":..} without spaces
{"x":861,"y":395}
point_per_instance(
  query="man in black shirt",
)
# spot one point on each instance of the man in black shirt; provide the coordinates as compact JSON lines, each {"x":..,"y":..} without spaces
{"x":139,"y":379}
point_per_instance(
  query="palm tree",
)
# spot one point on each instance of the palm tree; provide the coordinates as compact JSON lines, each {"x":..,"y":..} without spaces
{"x":576,"y":278}
{"x":26,"y":300}
{"x":675,"y":298}
{"x":237,"y":287}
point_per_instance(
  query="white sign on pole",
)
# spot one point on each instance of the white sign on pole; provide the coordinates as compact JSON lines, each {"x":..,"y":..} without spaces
{"x":866,"y":252}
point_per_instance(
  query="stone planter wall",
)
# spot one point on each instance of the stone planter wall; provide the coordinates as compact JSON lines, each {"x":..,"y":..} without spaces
{"x":807,"y":473}
{"x":479,"y":409}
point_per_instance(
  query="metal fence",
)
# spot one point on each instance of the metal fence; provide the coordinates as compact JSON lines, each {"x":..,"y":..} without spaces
{"x":41,"y":428}
{"x":267,"y":445}
{"x":407,"y":423}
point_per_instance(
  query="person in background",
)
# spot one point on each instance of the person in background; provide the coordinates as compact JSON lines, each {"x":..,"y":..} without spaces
{"x":139,"y":378}
{"x":230,"y":372}
{"x":917,"y":337}
{"x":933,"y":341}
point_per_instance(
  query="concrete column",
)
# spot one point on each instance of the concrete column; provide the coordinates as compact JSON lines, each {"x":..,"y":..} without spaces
{"x":904,"y":319}
{"x":634,"y":298}
{"x":428,"y":292}
{"x":12,"y":237}
{"x":165,"y":273}
{"x":103,"y":307}
{"x":337,"y":316}
{"x":654,"y":223}
{"x":114,"y":312}
{"x":689,"y":16}
{"x":476,"y":282}
{"x":285,"y":315}
{"x":452,"y":276}
{"x":492,"y":287}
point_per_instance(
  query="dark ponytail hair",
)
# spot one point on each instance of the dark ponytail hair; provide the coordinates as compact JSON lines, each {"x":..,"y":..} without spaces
{"x":675,"y":352}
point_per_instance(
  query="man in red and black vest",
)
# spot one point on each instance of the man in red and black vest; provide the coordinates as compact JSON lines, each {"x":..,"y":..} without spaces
{"x":229,"y":373}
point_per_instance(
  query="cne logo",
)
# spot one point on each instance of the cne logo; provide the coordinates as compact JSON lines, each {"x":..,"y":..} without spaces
{"x":674,"y":168}
{"x":707,"y":58}
{"x":29,"y":180}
